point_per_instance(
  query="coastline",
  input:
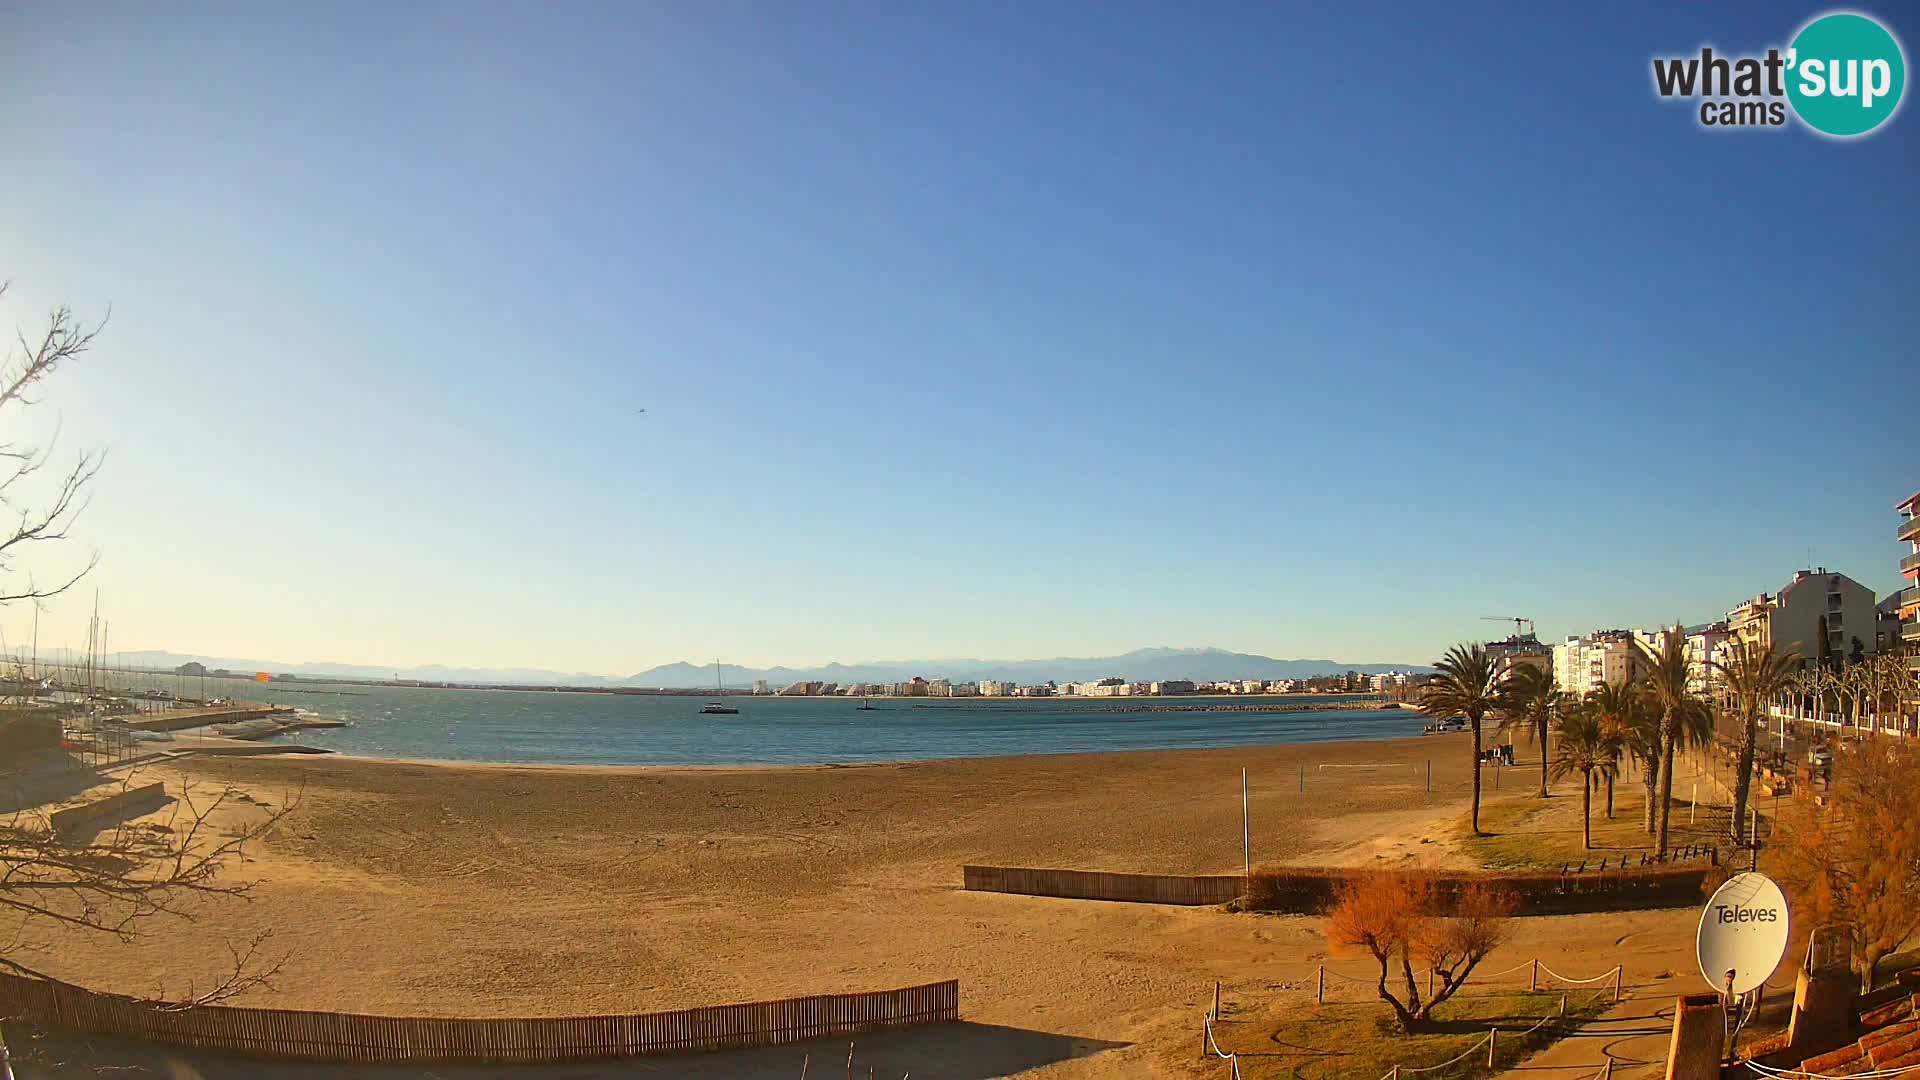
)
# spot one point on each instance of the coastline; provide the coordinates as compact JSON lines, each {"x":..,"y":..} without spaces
{"x":841,"y":766}
{"x":517,"y":889}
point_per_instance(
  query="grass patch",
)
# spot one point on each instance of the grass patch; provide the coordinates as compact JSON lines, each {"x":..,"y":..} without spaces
{"x":1529,"y":833}
{"x":1288,"y":1039}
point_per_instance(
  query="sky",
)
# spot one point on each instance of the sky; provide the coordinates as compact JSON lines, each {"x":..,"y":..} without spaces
{"x":987,"y":329}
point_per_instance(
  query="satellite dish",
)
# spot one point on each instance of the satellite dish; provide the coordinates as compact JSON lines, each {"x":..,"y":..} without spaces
{"x":1743,"y":931}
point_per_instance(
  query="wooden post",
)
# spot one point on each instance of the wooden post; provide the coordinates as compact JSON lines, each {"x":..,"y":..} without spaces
{"x":1533,"y":977}
{"x":1320,"y":986}
{"x":1303,"y":779}
{"x":1493,"y":1034}
{"x":1246,"y":829}
{"x":1617,"y":971}
{"x":1216,"y":999}
{"x":1563,"y":1003}
{"x":1429,"y":776}
{"x":1429,"y":984}
{"x":805,"y":1060}
{"x":849,"y":1059}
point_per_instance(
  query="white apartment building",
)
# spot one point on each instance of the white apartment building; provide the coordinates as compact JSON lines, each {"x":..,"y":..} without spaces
{"x":1581,"y":664}
{"x":995,"y":688}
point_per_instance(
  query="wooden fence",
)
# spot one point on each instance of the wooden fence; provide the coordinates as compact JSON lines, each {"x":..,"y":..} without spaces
{"x":1095,"y":885}
{"x":357,"y":1038}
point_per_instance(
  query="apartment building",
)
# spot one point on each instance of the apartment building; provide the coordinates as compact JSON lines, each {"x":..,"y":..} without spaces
{"x":1823,"y":616}
{"x":1582,"y":664}
{"x":1519,"y":649}
{"x":1907,"y":607}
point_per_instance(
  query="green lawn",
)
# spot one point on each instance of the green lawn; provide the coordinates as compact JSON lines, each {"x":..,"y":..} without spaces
{"x":1525,"y":832}
{"x":1286,"y":1038}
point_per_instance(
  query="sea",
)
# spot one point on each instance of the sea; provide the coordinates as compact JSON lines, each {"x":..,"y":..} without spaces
{"x":627,"y":729}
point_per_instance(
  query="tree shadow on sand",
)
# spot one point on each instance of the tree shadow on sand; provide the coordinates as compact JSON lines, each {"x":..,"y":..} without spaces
{"x":954,"y":1051}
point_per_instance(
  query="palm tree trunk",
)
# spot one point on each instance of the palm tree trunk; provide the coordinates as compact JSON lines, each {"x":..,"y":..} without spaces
{"x":1609,"y":797}
{"x":1669,"y":736}
{"x":1543,"y":756}
{"x":1743,"y":783}
{"x":1650,"y":778}
{"x":1476,"y":774}
{"x":1586,"y":812}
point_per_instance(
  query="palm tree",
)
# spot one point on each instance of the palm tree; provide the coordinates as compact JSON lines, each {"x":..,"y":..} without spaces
{"x":1666,"y":689}
{"x":1528,"y":697}
{"x":1617,"y":707}
{"x":1466,"y":684}
{"x":1752,"y":676}
{"x":1642,"y":744}
{"x":1584,"y":748}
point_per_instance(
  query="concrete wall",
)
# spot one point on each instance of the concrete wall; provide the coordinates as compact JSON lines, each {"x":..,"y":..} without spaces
{"x":92,"y":815}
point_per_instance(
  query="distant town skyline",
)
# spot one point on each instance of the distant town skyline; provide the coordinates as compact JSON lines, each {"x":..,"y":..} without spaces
{"x":600,"y":338}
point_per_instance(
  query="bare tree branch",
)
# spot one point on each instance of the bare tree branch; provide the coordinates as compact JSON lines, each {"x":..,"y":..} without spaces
{"x":48,"y":519}
{"x":112,"y":883}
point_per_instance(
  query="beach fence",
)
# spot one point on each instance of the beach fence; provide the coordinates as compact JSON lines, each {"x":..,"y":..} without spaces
{"x":1308,"y":890}
{"x":350,"y":1037}
{"x":1182,"y":889}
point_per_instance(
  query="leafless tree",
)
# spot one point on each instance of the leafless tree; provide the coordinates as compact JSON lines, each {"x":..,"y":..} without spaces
{"x":33,"y":520}
{"x":1391,"y":916}
{"x":112,"y":882}
{"x":115,"y":881}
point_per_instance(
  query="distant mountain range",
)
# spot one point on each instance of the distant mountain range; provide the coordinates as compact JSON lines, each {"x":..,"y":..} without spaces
{"x":160,"y":659}
{"x":1141,"y":665}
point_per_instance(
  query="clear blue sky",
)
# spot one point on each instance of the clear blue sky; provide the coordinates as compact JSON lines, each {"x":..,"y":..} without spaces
{"x":961,"y":329}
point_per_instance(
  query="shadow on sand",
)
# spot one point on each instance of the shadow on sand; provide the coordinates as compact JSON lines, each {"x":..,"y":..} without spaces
{"x":42,"y":778}
{"x":955,"y":1051}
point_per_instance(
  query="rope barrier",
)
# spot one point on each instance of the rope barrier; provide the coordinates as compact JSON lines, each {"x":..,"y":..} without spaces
{"x":1348,"y":978}
{"x":1540,"y":969}
{"x":1489,"y":1040}
{"x":1580,"y":982}
{"x":1232,"y":1060}
{"x":1522,"y":966}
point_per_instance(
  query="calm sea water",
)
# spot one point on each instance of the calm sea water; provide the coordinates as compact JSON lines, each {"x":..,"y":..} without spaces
{"x":509,"y":726}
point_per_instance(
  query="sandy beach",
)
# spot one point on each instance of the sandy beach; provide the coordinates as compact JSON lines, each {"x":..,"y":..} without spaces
{"x":440,"y":889}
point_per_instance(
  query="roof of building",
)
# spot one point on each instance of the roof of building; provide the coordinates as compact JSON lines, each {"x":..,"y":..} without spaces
{"x":1890,"y":1039}
{"x":1911,"y":502}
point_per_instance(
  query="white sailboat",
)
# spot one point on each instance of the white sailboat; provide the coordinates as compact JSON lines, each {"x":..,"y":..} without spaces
{"x":718,"y":706}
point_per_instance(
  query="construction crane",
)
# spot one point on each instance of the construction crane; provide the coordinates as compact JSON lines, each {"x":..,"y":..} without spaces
{"x":1516,"y":620}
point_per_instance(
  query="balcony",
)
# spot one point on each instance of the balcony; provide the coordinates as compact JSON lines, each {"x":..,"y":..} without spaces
{"x":1911,"y":632}
{"x":1911,"y":563}
{"x":1907,"y":598}
{"x":1908,"y":530}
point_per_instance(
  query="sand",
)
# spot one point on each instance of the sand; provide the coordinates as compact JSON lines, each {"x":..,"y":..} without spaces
{"x":439,"y":889}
